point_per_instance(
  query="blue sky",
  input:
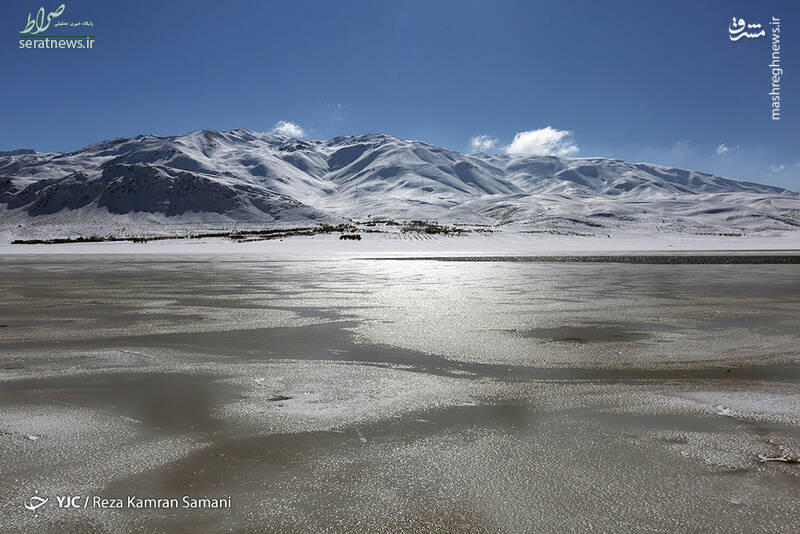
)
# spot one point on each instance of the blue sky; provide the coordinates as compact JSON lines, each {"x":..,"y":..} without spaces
{"x":643,"y":81}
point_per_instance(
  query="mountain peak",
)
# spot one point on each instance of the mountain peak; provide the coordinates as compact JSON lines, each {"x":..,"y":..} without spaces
{"x":248,"y":176}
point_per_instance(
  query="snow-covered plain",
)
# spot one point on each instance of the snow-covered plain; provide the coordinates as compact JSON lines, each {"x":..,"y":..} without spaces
{"x":414,"y":244}
{"x":221,"y":181}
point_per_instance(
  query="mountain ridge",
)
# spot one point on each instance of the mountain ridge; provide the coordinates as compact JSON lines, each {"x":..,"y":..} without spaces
{"x":248,"y":177}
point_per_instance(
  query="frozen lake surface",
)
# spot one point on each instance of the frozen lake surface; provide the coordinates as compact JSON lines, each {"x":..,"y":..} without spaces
{"x":365,"y":395}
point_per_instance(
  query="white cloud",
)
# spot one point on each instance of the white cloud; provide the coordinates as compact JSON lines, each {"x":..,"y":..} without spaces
{"x":542,"y":142}
{"x":289,"y":129}
{"x":724,"y":149}
{"x":776,"y":168}
{"x":482,"y":143}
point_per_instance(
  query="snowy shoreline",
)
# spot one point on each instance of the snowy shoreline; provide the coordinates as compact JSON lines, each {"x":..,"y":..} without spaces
{"x":393,"y":244}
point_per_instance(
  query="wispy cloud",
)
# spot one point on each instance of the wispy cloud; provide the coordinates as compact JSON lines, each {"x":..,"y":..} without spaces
{"x":725,"y":149}
{"x":334,"y":110}
{"x":289,"y":129}
{"x":545,"y":141}
{"x":776,"y":168}
{"x":482,"y":143}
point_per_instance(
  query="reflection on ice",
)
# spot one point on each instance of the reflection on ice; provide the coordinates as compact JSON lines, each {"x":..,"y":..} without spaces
{"x":422,"y":396}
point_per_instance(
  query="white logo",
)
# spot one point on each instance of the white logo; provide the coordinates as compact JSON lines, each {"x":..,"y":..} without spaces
{"x":35,"y":502}
{"x":737,"y":30}
{"x":39,"y":23}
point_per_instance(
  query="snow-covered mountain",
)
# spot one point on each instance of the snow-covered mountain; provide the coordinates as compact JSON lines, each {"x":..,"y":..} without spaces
{"x":242,"y":177}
